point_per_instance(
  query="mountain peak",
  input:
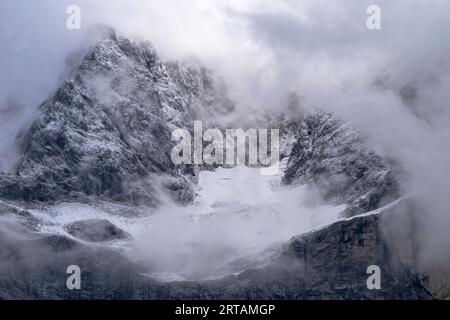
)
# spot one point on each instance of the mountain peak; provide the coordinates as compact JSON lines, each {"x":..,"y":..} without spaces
{"x":106,"y":131}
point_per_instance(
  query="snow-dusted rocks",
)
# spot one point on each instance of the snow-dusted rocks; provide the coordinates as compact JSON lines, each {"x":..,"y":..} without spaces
{"x":329,"y":263}
{"x":106,"y":131}
{"x":95,"y":230}
{"x":333,"y":157}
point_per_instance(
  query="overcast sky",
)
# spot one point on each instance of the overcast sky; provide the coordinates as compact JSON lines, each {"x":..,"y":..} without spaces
{"x":262,"y":47}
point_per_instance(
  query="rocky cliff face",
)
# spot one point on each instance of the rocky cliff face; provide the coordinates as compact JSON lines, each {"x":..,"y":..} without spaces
{"x":107,"y":130}
{"x":333,"y":157}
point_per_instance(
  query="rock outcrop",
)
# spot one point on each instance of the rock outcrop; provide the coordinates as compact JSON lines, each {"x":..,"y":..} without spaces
{"x":333,"y":157}
{"x":95,"y":230}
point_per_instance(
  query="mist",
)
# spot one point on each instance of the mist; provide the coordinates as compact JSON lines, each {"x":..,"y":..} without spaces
{"x":239,"y":219}
{"x":391,"y":83}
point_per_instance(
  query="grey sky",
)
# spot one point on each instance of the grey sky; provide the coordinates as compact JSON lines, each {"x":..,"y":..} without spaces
{"x":271,"y":44}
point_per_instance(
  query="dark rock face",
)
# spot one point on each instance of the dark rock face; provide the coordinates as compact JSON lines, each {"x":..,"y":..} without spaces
{"x":330,"y":263}
{"x":332,"y":156}
{"x":107,"y":130}
{"x":95,"y":230}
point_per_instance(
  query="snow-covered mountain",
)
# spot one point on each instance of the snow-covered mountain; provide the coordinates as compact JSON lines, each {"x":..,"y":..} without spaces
{"x":106,"y":131}
{"x":96,"y":169}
